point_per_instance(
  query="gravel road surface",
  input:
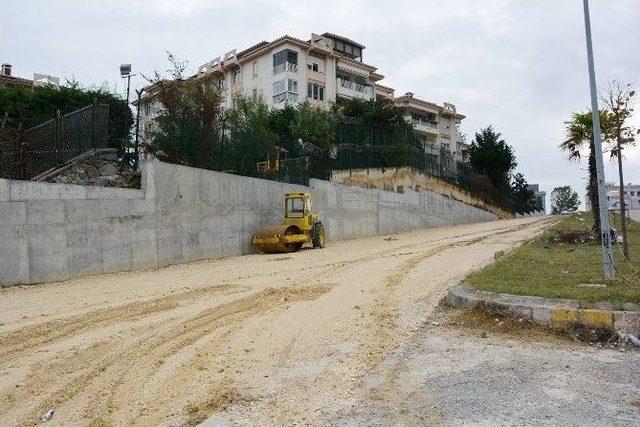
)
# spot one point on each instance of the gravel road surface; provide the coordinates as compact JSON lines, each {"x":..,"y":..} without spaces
{"x":332,"y":336}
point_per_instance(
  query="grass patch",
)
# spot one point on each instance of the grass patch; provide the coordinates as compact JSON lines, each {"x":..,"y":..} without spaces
{"x":559,"y":262}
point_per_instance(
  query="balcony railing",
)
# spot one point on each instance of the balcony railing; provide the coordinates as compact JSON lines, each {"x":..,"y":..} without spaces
{"x":426,"y":123}
{"x":355,"y":86}
{"x":286,"y":66}
{"x":288,"y":97}
{"x":355,"y":89}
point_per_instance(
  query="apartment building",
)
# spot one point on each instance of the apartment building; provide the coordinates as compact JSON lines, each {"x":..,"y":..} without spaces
{"x":438,"y":125}
{"x":323,"y":70}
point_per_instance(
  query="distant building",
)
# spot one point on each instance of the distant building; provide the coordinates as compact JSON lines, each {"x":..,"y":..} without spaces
{"x":324,"y":69}
{"x":541,"y":197}
{"x":436,"y":124}
{"x":631,"y":198}
{"x":8,"y":79}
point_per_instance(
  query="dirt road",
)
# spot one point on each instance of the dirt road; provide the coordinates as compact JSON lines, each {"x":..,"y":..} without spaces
{"x":256,"y":339}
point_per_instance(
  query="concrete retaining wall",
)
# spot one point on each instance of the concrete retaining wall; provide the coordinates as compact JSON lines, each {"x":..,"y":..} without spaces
{"x":54,"y":232}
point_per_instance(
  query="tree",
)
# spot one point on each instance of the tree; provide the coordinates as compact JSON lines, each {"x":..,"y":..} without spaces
{"x":579,"y":132}
{"x":619,"y":100}
{"x":32,"y":106}
{"x":187,"y":131}
{"x":251,"y":137}
{"x":523,"y":198}
{"x":374,"y":114}
{"x":314,"y":125}
{"x":563,"y":200}
{"x":491,"y":156}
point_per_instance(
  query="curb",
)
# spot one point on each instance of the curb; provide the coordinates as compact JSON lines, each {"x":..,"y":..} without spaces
{"x":557,"y":313}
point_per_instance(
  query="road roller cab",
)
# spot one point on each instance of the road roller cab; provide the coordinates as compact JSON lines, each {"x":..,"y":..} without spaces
{"x":300,"y":225}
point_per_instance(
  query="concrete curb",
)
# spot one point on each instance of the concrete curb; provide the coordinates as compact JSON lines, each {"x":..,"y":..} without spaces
{"x":557,"y":313}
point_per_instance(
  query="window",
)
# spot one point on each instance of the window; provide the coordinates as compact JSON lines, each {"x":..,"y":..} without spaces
{"x":315,"y":63}
{"x":255,"y":69}
{"x":348,"y":49}
{"x":339,"y":45}
{"x":315,"y":91}
{"x":283,"y":56}
{"x":293,"y":86}
{"x":237,"y":77}
{"x":221,"y":83}
{"x":295,"y":208}
{"x":254,"y":94}
{"x":279,"y":87}
{"x":285,"y":90}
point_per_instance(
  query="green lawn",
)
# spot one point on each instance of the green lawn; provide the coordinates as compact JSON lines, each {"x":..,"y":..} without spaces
{"x":547,"y":268}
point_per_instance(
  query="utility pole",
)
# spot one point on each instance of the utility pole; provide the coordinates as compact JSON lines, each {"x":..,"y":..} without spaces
{"x":607,"y":255}
{"x":623,"y":204}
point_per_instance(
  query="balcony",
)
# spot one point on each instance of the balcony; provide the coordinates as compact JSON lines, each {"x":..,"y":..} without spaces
{"x":286,"y":97}
{"x":354,"y":90}
{"x":425,"y":126}
{"x":285,"y":67}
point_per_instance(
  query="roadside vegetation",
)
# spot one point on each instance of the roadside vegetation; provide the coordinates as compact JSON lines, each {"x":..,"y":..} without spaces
{"x":23,"y":108}
{"x":565,"y":261}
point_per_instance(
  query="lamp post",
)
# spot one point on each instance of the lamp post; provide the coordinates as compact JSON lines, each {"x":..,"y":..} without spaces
{"x":136,"y":147}
{"x":125,"y":73}
{"x":605,"y":235}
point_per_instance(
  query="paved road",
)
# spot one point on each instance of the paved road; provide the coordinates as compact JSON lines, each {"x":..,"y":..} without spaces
{"x":296,"y":338}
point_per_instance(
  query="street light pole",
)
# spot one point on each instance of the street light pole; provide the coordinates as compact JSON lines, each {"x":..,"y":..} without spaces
{"x":136,"y":147}
{"x":128,"y":86}
{"x":607,"y":255}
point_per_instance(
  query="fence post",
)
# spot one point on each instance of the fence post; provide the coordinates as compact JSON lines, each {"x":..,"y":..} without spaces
{"x":59,"y":137}
{"x":94,"y":128}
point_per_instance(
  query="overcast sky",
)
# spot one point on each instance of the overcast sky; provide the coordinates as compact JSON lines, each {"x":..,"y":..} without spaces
{"x":519,"y":65}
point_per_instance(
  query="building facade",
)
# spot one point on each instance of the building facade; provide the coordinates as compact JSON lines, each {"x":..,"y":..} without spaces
{"x":631,"y":198}
{"x":8,"y":79}
{"x":323,"y":70}
{"x":437,"y":125}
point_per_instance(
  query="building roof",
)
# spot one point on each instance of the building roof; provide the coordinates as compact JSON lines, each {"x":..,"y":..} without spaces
{"x":410,"y":98}
{"x":258,"y":48}
{"x":344,"y":39}
{"x":15,"y":81}
{"x":250,"y":49}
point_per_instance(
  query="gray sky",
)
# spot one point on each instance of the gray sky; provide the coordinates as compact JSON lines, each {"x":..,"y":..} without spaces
{"x":519,"y":65}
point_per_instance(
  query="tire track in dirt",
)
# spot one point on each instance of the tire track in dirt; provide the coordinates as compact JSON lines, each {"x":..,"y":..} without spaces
{"x":19,"y":341}
{"x":114,"y":372}
{"x":385,"y":337}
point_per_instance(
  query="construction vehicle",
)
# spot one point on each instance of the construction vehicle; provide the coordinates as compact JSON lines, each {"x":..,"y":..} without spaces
{"x":300,"y":226}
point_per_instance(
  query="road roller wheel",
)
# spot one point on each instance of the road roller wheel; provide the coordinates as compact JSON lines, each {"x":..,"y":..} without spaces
{"x":318,"y":238}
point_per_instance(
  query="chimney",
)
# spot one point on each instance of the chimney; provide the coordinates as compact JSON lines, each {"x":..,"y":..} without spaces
{"x":6,"y":69}
{"x":409,"y":94}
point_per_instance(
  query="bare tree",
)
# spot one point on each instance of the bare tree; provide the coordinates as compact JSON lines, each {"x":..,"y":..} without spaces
{"x":618,"y":97}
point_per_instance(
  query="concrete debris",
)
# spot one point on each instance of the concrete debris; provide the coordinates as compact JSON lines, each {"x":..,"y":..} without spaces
{"x":630,"y":338}
{"x":47,"y":416}
{"x":102,"y":169}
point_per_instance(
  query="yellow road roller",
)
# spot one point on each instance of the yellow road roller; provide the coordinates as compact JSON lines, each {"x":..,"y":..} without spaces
{"x":300,"y":226}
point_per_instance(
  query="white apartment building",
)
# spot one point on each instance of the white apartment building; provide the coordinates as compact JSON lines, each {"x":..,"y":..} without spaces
{"x":322,"y":70}
{"x":438,"y":125}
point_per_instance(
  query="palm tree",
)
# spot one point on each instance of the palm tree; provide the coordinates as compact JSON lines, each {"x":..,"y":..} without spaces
{"x":580,"y":133}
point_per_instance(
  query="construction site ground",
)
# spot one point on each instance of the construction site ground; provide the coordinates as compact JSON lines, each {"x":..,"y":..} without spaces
{"x":350,"y":334}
